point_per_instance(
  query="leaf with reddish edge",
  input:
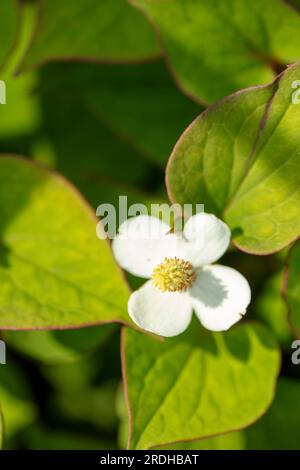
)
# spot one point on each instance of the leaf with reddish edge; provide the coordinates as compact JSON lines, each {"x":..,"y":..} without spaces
{"x":90,"y":30}
{"x":241,"y":159}
{"x":277,"y":429}
{"x":214,"y":47}
{"x":198,"y":384}
{"x":54,"y":271}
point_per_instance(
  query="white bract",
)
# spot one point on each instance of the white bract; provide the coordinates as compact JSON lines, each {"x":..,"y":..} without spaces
{"x":182,"y":276}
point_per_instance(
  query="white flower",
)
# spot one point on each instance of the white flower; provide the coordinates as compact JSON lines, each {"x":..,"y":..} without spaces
{"x":182,"y":278}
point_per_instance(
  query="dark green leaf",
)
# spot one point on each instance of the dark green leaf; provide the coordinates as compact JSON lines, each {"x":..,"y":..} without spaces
{"x":94,"y":30}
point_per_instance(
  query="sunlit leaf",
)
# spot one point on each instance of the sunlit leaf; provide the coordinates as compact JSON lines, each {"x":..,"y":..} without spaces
{"x":41,"y":438}
{"x":54,"y":271}
{"x":276,"y":430}
{"x":241,"y":159}
{"x":198,"y":384}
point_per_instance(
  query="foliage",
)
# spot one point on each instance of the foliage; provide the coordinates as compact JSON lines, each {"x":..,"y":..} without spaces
{"x":98,"y":94}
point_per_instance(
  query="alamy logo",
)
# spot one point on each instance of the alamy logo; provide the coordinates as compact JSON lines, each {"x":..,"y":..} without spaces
{"x":2,"y":352}
{"x":296,"y":354}
{"x":112,"y":217}
{"x":2,"y":92}
{"x":296,"y":94}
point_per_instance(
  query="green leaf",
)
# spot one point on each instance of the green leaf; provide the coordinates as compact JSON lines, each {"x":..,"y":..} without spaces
{"x":54,"y":271}
{"x":230,"y":441}
{"x":94,"y":30}
{"x":21,"y":113}
{"x":271,"y":309}
{"x":139,"y":104}
{"x":292,"y":288}
{"x":17,"y":406}
{"x":215,"y":48}
{"x":142,"y":104}
{"x":9,"y":19}
{"x":198,"y":384}
{"x":278,"y":429}
{"x":69,"y":122}
{"x":55,"y":347}
{"x":241,"y":159}
{"x":122,"y":412}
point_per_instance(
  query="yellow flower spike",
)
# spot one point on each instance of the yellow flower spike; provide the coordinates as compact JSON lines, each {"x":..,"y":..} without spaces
{"x":173,"y":275}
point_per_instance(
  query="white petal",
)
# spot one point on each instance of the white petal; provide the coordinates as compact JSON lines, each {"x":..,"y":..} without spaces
{"x":220,"y":297}
{"x":207,"y":239}
{"x":162,"y":313}
{"x":144,"y":227}
{"x":142,"y":244}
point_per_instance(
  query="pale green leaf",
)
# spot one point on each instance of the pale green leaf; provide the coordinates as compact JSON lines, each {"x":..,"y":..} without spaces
{"x":241,"y":159}
{"x":278,"y":429}
{"x":198,"y":384}
{"x":54,"y":271}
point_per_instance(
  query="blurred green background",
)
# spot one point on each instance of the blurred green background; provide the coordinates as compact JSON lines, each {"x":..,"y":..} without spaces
{"x":109,"y":128}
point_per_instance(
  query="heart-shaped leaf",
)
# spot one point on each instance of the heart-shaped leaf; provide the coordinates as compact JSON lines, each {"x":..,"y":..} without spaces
{"x":241,"y":159}
{"x":215,"y":48}
{"x":277,"y":429}
{"x":198,"y":384}
{"x":9,"y":19}
{"x":292,"y":288}
{"x":54,"y":271}
{"x":94,"y":30}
